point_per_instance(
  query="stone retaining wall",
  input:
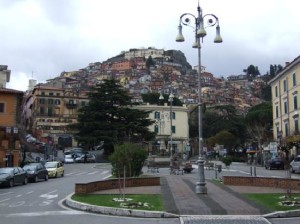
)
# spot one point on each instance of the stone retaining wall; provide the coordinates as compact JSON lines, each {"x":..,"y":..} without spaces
{"x":85,"y":188}
{"x":284,"y":183}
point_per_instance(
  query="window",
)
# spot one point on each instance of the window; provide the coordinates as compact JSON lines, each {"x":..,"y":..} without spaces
{"x":294,"y":79}
{"x":276,"y":91}
{"x":156,"y":129}
{"x":83,"y":103}
{"x":51,"y":94}
{"x":284,"y":85}
{"x":43,"y":94}
{"x":2,"y":107}
{"x":42,"y":101}
{"x":49,"y":111}
{"x":57,"y":102}
{"x":50,"y":101}
{"x":173,"y":115}
{"x":285,"y":107}
{"x":295,"y":102}
{"x":42,"y":110}
{"x":57,"y":94}
{"x":286,"y":127}
{"x":173,"y":129}
{"x":277,"y":111}
{"x":156,"y":115}
{"x":296,"y":124}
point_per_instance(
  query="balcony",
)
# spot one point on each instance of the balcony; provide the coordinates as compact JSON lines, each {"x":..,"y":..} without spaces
{"x":71,"y":105}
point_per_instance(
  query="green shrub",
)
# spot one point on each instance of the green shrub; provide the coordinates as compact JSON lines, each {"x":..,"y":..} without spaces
{"x":128,"y":157}
{"x":227,"y":160}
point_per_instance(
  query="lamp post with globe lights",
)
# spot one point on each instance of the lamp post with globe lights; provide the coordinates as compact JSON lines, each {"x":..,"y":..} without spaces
{"x":201,"y":22}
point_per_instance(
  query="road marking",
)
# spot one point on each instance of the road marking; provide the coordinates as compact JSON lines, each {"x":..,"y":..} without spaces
{"x":47,"y":213}
{"x":6,"y":193}
{"x":105,"y":172}
{"x":5,"y":200}
{"x":49,"y":195}
{"x":18,"y":196}
{"x":80,"y":173}
{"x":92,"y":173}
{"x":29,"y":192}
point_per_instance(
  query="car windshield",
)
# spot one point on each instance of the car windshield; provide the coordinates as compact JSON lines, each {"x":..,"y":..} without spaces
{"x":50,"y":165}
{"x":29,"y":167}
{"x":297,"y":159}
{"x":6,"y":170}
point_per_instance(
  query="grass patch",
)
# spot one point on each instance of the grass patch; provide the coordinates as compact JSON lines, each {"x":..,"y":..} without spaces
{"x":139,"y":201}
{"x":273,"y":200}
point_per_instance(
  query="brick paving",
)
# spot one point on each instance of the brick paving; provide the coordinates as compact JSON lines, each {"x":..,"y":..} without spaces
{"x":179,"y":196}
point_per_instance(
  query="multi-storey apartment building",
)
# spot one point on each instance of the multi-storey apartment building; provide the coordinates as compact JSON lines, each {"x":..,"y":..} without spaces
{"x":4,"y":76}
{"x":47,"y":111}
{"x":10,"y":106}
{"x":286,"y":104}
{"x":179,"y":138}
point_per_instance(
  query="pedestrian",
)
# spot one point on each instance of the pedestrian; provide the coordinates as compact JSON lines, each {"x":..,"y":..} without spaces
{"x":85,"y":158}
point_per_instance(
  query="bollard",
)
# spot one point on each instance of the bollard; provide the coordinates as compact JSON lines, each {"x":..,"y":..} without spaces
{"x":251,"y":171}
{"x":219,"y":168}
{"x":254,"y":170}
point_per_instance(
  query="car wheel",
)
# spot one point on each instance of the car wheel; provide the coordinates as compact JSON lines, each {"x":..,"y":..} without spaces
{"x":46,"y":177}
{"x":55,"y":175}
{"x":36,"y":179}
{"x":11,"y":183}
{"x":291,"y":170}
{"x":25,"y":181}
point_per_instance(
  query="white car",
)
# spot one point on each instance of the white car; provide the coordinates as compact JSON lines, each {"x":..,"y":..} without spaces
{"x":69,"y":159}
{"x":295,"y":165}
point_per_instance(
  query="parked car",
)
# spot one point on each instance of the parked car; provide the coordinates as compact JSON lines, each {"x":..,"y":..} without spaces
{"x":55,"y":168}
{"x":68,"y":159}
{"x":295,"y":165}
{"x":36,"y":172}
{"x":275,"y":163}
{"x":90,"y":158}
{"x":10,"y":176}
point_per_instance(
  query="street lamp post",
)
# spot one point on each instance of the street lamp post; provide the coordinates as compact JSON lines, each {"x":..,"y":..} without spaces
{"x":171,"y":97}
{"x":201,"y":20}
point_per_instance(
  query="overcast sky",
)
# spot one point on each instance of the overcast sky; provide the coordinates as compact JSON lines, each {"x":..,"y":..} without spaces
{"x":41,"y":38}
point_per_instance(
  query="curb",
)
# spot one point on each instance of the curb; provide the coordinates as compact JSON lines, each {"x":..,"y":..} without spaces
{"x":116,"y":211}
{"x":283,"y":214}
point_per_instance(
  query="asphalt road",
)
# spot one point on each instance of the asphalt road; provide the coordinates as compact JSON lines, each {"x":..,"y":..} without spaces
{"x":42,"y":202}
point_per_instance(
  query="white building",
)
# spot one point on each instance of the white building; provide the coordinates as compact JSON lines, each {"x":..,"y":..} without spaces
{"x":179,"y":138}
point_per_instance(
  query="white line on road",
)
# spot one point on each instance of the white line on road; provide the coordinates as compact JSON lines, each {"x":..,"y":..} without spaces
{"x":5,"y":200}
{"x":47,"y":213}
{"x":92,"y":173}
{"x":6,"y":193}
{"x":29,"y":192}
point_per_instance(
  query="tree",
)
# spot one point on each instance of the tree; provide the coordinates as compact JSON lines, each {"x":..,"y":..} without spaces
{"x":149,"y":62}
{"x":128,"y":157}
{"x":110,"y":117}
{"x":259,"y":122}
{"x":252,"y":71}
{"x":153,"y":98}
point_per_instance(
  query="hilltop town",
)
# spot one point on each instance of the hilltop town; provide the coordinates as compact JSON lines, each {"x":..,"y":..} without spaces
{"x":156,"y":70}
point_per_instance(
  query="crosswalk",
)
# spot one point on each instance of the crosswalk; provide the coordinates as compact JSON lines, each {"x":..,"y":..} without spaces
{"x":79,"y":173}
{"x":224,"y":219}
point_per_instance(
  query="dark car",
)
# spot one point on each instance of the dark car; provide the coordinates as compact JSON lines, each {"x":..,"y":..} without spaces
{"x":86,"y":158}
{"x":275,"y":163}
{"x":36,"y":172}
{"x":11,"y":176}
